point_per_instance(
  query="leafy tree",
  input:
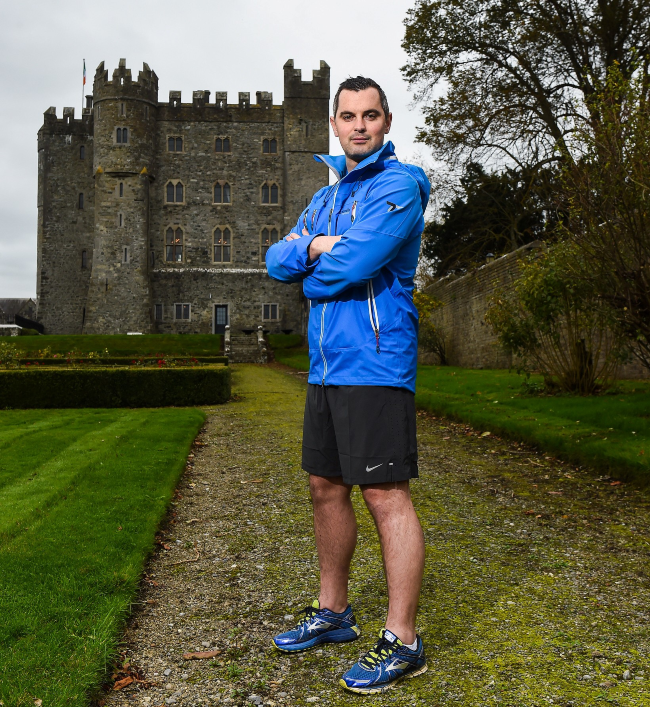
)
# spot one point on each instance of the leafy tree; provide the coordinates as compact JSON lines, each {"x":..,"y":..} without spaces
{"x":516,"y":75}
{"x":493,"y":213}
{"x":555,"y":322}
{"x":607,"y":202}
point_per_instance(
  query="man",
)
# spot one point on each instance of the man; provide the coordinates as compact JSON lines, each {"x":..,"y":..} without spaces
{"x":356,"y":248}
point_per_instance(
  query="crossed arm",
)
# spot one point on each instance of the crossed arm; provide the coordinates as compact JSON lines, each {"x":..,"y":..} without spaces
{"x":318,"y":246}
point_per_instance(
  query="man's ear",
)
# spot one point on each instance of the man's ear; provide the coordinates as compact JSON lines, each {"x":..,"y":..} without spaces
{"x":333,"y":124}
{"x":389,"y":122}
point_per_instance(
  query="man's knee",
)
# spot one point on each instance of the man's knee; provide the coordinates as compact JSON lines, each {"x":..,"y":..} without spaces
{"x":383,"y":499}
{"x":327,"y":489}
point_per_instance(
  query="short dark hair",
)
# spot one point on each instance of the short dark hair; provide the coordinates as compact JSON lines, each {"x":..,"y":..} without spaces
{"x":361,"y":83}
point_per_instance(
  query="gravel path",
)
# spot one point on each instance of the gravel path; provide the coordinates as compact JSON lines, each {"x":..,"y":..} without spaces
{"x":536,"y":587}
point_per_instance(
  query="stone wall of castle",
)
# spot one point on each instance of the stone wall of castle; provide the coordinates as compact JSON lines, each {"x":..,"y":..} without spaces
{"x":469,"y":340}
{"x":130,"y":284}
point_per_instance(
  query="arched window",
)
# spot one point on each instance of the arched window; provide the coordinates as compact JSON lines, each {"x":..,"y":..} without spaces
{"x":122,"y":136}
{"x":269,"y":146}
{"x":121,"y":188}
{"x":174,"y":244}
{"x":174,"y":144}
{"x":82,"y":152}
{"x":222,"y":144}
{"x":222,"y":237}
{"x":270,"y":193}
{"x":174,"y":192}
{"x":222,"y":193}
{"x":269,"y":236}
{"x":80,"y":202}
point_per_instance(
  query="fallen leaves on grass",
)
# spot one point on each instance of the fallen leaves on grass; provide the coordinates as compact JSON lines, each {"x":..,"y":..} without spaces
{"x":200,"y":655}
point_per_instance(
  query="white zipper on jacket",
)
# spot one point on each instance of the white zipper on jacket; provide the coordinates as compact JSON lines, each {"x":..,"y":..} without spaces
{"x":372,"y":312}
{"x":322,"y":314}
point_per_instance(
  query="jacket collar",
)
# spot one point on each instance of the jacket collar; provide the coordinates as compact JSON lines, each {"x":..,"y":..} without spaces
{"x":337,"y":162}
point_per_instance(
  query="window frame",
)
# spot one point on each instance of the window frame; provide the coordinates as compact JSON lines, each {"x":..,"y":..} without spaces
{"x":277,"y":312}
{"x":121,"y":142}
{"x":222,"y":151}
{"x":270,"y":185}
{"x":222,"y":227}
{"x":222,"y":183}
{"x":175,"y":182}
{"x":270,"y":228}
{"x":189,"y":311}
{"x":174,"y":227}
{"x":176,"y":138}
{"x":270,"y":140}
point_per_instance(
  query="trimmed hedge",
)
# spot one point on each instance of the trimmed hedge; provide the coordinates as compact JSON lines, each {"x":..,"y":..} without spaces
{"x":114,"y":387}
{"x":119,"y":360}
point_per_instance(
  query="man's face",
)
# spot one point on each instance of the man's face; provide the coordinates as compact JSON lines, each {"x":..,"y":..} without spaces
{"x":360,"y":123}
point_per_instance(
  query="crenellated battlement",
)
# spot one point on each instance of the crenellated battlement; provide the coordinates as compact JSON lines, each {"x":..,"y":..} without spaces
{"x":67,"y":124}
{"x":295,"y":87}
{"x":122,"y":85}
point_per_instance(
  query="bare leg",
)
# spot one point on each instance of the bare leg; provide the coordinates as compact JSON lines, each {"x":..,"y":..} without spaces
{"x":335,"y":527}
{"x":402,"y":545}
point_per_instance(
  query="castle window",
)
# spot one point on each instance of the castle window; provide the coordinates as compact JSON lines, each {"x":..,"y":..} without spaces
{"x":222,"y":193}
{"x":125,"y":254}
{"x":122,"y":110}
{"x":182,"y":311}
{"x":99,"y":112}
{"x":120,"y":219}
{"x":270,"y":193}
{"x":270,"y":146}
{"x":222,"y":144}
{"x":82,"y":152}
{"x":152,"y":258}
{"x":158,"y":312}
{"x":222,"y":237}
{"x":174,"y":244}
{"x":270,"y":311}
{"x":122,"y":136}
{"x":121,"y":192}
{"x":175,"y":192}
{"x":174,"y":144}
{"x":269,"y":236}
{"x":84,"y":259}
{"x":146,"y":112}
{"x":80,"y":202}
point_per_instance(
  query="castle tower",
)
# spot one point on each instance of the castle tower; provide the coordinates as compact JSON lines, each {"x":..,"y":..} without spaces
{"x":306,"y":131}
{"x":125,"y":111}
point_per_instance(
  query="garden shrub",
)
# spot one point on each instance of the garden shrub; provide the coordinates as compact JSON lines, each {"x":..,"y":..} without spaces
{"x":557,"y":323}
{"x":113,"y":387}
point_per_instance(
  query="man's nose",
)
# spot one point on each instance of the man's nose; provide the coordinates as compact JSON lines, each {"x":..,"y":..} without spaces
{"x":359,"y":125}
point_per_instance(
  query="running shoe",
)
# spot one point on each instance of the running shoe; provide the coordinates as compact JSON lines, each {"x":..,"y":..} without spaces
{"x":318,"y":626}
{"x":385,"y":665}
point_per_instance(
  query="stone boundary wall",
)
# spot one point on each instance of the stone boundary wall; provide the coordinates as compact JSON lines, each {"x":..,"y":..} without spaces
{"x":469,"y":340}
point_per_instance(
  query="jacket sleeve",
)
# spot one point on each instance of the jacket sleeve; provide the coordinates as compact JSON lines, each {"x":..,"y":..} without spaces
{"x":388,"y":218}
{"x":286,"y":261}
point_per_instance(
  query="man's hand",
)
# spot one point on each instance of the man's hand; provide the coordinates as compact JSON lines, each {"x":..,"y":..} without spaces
{"x":320,"y":245}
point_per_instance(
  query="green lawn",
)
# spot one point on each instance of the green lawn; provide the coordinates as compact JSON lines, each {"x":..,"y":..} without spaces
{"x":609,"y":432}
{"x":124,"y":345}
{"x":82,"y":493}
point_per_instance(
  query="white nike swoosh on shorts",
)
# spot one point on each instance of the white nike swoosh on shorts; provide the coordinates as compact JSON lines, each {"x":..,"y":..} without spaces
{"x":370,"y":468}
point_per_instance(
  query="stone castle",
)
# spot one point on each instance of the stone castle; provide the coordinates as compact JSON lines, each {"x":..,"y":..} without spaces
{"x":156,"y":217}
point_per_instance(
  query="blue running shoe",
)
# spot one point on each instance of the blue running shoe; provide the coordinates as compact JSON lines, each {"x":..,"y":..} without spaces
{"x":385,"y":665}
{"x":318,"y":626}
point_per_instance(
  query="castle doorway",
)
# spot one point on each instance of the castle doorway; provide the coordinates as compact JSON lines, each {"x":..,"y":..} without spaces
{"x":220,"y":318}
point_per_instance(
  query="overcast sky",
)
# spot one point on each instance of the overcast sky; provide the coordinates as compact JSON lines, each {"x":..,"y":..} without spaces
{"x":240,"y":45}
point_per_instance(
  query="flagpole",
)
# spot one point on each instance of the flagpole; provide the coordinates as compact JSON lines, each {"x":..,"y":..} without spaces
{"x":83,"y":89}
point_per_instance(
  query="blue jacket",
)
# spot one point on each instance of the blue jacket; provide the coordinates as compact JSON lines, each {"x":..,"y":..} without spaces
{"x":362,"y":324}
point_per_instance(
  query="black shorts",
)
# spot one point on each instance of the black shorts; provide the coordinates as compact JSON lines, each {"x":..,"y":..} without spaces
{"x":364,"y":433}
